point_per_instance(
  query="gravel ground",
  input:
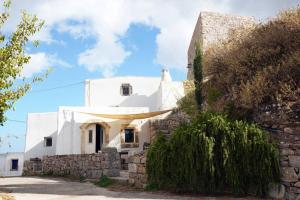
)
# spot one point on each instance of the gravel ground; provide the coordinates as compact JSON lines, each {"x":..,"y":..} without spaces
{"x":36,"y":188}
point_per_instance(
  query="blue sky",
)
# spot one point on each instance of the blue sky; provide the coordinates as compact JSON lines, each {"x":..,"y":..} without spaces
{"x":139,"y":39}
{"x":94,"y":39}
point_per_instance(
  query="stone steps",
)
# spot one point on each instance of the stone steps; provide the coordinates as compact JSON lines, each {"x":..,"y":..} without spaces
{"x":123,"y":178}
{"x":124,"y":173}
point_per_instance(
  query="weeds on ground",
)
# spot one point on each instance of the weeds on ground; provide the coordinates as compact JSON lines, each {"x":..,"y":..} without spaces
{"x":104,"y":181}
{"x":151,"y":187}
{"x":82,"y":179}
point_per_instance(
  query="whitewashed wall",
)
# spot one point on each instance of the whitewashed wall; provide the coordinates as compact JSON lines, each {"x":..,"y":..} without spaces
{"x":106,"y":92}
{"x":2,"y":164}
{"x":155,"y":93}
{"x":40,"y":125}
{"x":89,"y":147}
{"x":102,"y":96}
{"x":5,"y":163}
{"x":70,"y":119}
{"x":168,"y":94}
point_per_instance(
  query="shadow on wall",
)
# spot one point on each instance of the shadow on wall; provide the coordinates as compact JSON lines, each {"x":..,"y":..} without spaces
{"x":146,"y":131}
{"x":67,"y":136}
{"x":136,"y":100}
{"x":40,"y":148}
{"x":70,"y":135}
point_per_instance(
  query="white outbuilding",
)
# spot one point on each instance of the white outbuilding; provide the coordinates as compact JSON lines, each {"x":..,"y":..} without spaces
{"x":11,"y":164}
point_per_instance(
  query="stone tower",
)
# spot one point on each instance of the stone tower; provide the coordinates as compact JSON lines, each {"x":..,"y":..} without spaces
{"x":210,"y":28}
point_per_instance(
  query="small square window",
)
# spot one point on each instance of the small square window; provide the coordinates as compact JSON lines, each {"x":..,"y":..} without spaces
{"x":14,"y":164}
{"x":48,"y":141}
{"x":126,"y":89}
{"x":90,"y":136}
{"x":129,"y":135}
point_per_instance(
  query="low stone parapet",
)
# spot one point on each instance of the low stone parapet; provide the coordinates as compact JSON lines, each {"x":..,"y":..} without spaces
{"x":107,"y":162}
{"x":137,"y":169}
{"x":32,"y":167}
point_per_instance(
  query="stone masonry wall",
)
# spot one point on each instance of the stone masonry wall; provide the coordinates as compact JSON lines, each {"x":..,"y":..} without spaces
{"x":211,"y":28}
{"x":32,"y":167}
{"x":137,"y":169}
{"x":290,"y":168}
{"x":288,"y":137}
{"x":81,"y":165}
{"x":169,"y":124}
{"x":283,"y":122}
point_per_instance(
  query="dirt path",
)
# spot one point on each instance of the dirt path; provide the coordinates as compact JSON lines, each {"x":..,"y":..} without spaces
{"x":35,"y":188}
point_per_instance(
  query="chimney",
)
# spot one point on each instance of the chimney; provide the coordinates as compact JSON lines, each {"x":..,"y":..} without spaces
{"x":165,"y":75}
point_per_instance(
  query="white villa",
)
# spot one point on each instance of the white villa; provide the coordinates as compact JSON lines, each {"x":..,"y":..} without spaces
{"x":118,"y":110}
{"x":116,"y":114}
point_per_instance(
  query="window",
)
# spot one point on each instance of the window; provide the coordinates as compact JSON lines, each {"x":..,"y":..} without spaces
{"x":14,"y":164}
{"x":90,"y":136}
{"x":126,"y":89}
{"x":129,"y":135}
{"x":48,"y":141}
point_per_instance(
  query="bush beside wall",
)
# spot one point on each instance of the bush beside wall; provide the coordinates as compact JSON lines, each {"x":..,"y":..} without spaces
{"x":214,"y":155}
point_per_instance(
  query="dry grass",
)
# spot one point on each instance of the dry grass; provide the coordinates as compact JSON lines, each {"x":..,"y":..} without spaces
{"x":5,"y":196}
{"x":262,"y":66}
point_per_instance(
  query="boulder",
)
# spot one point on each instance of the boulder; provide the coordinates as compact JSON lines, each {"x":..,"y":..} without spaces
{"x":276,"y":191}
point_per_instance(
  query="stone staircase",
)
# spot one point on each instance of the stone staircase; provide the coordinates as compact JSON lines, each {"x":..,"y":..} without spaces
{"x":123,"y":178}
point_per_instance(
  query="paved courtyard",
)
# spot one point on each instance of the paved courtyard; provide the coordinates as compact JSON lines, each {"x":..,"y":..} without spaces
{"x":36,"y":188}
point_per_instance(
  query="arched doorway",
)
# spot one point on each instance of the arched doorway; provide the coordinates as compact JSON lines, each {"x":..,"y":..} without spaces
{"x":94,"y":136}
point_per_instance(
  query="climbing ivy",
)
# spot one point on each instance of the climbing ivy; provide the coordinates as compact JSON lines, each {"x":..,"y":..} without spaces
{"x":214,"y":155}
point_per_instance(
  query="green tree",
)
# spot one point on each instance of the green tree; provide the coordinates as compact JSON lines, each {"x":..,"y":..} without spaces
{"x":198,"y":76}
{"x":13,"y":58}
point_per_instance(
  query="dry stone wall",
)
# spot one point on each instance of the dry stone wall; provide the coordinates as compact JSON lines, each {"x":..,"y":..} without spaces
{"x":32,"y":167}
{"x":107,"y":162}
{"x":137,"y":169}
{"x":289,"y":148}
{"x":169,"y":124}
{"x":290,"y":166}
{"x":283,"y":122}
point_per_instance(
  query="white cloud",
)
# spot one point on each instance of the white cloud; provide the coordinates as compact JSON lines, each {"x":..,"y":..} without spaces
{"x":40,"y":62}
{"x":108,"y":20}
{"x":106,"y":56}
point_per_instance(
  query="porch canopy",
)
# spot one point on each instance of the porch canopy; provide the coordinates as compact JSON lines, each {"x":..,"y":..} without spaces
{"x":131,"y":116}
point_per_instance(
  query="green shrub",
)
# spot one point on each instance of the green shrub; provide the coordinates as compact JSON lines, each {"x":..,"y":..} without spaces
{"x":104,"y":181}
{"x":82,"y":178}
{"x":160,"y":159}
{"x":151,"y":187}
{"x":214,"y":155}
